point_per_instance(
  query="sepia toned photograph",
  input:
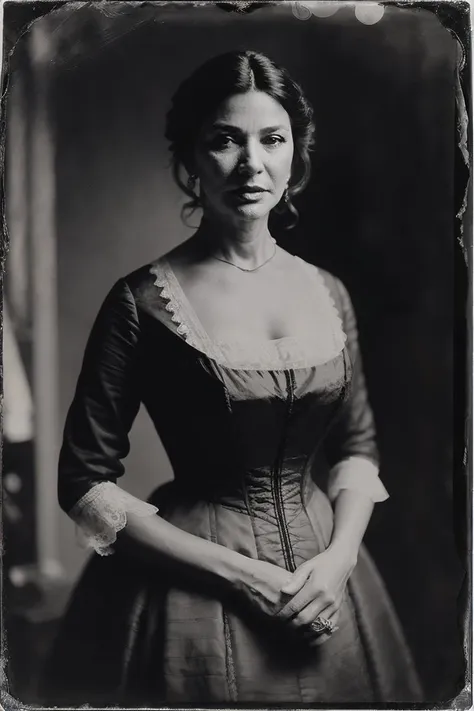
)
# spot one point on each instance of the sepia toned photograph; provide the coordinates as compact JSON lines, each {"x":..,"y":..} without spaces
{"x":236,"y":330}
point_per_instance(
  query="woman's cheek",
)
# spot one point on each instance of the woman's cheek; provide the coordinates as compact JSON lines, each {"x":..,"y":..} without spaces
{"x":226,"y":165}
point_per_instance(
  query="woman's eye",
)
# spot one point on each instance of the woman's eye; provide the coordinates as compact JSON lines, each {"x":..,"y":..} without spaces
{"x":273,"y":140}
{"x":219,"y":143}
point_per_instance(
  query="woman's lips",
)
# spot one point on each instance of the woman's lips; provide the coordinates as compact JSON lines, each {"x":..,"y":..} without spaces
{"x":249,"y":193}
{"x":250,"y":189}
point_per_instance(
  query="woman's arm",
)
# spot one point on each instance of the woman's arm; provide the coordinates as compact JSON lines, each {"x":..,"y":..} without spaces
{"x":352,"y":512}
{"x":351,"y":447}
{"x":160,"y":544}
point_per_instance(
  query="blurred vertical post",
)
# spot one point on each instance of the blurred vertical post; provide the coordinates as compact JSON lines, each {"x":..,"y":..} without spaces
{"x":44,"y":293}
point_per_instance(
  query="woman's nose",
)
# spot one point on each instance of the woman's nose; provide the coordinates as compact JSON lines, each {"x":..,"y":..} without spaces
{"x":251,"y":159}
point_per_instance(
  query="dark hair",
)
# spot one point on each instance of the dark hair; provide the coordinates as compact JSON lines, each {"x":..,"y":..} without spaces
{"x":200,"y":95}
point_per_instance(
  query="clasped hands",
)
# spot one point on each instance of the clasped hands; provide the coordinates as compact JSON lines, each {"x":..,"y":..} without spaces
{"x":312,"y":593}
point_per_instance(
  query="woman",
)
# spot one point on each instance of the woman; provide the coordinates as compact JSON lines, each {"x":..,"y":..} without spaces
{"x":241,"y":581}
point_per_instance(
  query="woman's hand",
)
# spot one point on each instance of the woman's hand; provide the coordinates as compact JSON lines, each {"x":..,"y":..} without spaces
{"x":261,"y":585}
{"x":317,"y":589}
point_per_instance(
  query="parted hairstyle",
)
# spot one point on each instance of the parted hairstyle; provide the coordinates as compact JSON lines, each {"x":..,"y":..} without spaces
{"x":200,"y":95}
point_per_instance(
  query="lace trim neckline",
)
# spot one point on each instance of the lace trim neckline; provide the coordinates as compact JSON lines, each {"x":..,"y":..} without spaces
{"x":315,"y":348}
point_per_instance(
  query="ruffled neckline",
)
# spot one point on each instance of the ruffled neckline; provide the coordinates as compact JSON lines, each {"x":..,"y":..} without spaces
{"x":320,"y":345}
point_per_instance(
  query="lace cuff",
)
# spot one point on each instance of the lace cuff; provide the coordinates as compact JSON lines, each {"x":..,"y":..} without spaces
{"x":102,"y":512}
{"x":357,"y":473}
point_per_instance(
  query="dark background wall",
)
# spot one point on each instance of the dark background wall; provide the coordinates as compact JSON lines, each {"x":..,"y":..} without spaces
{"x":378,"y":213}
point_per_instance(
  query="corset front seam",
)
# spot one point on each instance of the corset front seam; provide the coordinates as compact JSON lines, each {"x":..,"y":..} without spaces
{"x":276,"y":474}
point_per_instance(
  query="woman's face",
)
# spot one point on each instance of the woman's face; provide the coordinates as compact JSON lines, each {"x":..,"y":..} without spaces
{"x":243,"y":157}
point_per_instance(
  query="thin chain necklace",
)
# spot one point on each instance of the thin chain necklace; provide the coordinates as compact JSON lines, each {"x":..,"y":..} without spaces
{"x":246,"y":269}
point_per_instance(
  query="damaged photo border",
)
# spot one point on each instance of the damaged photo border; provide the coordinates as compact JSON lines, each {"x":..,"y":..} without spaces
{"x":455,"y":19}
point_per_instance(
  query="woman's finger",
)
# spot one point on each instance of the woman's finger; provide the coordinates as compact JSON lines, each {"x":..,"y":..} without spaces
{"x":312,"y":612}
{"x":318,"y":601}
{"x":294,"y":606}
{"x":296,"y":582}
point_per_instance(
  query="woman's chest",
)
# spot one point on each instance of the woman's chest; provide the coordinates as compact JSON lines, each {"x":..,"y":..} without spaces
{"x":250,"y":307}
{"x":256,"y":325}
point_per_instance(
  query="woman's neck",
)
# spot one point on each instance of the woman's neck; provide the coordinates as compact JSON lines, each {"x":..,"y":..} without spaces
{"x":247,"y":245}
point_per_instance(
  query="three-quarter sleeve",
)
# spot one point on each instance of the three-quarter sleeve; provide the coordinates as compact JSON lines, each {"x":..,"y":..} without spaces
{"x":350,"y":445}
{"x":96,"y":433}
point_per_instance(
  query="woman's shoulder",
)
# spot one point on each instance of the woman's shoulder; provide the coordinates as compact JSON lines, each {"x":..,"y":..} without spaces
{"x":132,"y":293}
{"x":152,"y":289}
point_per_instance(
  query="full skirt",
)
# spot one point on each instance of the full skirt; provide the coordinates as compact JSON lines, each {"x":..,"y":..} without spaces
{"x":134,"y":636}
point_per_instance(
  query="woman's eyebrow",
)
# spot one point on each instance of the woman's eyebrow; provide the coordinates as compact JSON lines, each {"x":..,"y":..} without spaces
{"x":221,"y":126}
{"x":274,"y":129}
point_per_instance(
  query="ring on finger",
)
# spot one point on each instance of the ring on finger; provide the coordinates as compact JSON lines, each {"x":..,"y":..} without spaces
{"x":321,"y":624}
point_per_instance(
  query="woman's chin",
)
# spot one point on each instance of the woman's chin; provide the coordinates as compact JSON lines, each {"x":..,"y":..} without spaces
{"x":248,"y":212}
{"x":242,"y":212}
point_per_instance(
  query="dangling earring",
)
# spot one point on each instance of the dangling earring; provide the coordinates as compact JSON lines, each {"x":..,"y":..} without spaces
{"x":192,"y":180}
{"x":290,"y":208}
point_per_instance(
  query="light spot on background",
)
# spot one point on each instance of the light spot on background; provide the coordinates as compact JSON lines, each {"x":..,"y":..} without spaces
{"x":369,"y":13}
{"x":301,"y":11}
{"x":324,"y":9}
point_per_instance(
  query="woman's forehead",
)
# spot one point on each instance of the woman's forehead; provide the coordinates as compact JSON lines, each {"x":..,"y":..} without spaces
{"x":251,"y":111}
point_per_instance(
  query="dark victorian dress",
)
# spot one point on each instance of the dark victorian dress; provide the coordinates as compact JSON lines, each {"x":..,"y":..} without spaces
{"x":250,"y":430}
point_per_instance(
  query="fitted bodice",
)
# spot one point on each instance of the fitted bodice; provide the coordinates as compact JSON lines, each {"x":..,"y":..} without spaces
{"x":247,"y":412}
